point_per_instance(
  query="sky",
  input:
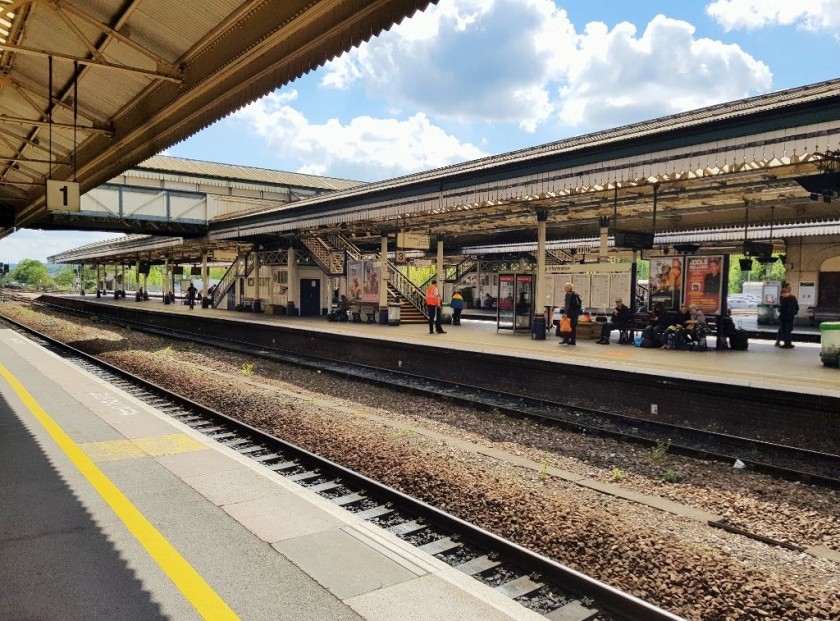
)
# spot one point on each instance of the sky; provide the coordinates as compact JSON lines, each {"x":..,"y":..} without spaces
{"x":470,"y":78}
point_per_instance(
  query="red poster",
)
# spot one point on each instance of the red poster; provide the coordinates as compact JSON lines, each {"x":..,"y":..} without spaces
{"x":703,"y":283}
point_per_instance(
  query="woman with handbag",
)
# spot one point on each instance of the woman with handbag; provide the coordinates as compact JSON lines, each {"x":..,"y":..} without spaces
{"x":573,"y":307}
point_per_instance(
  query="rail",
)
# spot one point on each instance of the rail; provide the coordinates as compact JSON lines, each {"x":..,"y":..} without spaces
{"x":227,"y":281}
{"x":413,"y":294}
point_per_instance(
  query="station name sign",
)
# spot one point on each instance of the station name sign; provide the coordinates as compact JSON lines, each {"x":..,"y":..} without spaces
{"x":589,"y":268}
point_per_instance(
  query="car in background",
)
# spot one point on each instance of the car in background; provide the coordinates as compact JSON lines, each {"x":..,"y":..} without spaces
{"x":736,"y":301}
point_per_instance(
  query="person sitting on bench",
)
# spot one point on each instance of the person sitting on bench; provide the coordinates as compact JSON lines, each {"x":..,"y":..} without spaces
{"x":341,"y":313}
{"x":621,"y":319}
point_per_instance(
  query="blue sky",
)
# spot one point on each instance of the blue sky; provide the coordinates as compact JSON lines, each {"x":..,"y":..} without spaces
{"x":469,"y":78}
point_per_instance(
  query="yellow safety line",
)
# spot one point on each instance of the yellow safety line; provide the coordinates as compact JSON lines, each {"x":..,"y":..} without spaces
{"x":200,"y":594}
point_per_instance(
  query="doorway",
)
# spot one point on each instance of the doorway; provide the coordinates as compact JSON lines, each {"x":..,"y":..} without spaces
{"x":310,"y":297}
{"x":829,"y":291}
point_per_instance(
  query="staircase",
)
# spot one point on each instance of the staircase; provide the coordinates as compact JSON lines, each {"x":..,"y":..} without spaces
{"x":408,"y":312}
{"x":329,"y":252}
{"x":229,"y":279}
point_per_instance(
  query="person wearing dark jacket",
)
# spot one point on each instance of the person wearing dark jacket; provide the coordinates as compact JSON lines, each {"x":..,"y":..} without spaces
{"x":788,"y":309}
{"x":621,"y":319}
{"x":573,"y":307}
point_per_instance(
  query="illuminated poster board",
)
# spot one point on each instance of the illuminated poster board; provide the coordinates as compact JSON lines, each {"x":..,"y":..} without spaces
{"x":666,"y":277}
{"x":704,"y":282}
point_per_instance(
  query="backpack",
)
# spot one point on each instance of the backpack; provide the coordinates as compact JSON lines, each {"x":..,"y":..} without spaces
{"x":575,"y":304}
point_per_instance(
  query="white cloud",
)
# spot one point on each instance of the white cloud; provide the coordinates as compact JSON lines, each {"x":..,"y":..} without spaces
{"x":523,"y":62}
{"x":623,"y":78}
{"x":488,"y":60}
{"x":812,"y":15}
{"x":365,"y":148}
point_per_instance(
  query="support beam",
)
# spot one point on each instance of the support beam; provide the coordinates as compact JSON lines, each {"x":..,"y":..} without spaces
{"x":31,"y":51}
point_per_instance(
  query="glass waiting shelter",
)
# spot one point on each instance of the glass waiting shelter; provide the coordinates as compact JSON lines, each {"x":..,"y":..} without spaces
{"x":515,"y":302}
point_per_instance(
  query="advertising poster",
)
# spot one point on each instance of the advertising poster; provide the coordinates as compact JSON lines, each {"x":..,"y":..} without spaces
{"x":355,"y":278}
{"x":703,"y":283}
{"x":666,"y":277}
{"x":362,"y":281}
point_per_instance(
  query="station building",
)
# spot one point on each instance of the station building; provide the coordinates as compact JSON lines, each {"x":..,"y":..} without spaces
{"x":759,"y":176}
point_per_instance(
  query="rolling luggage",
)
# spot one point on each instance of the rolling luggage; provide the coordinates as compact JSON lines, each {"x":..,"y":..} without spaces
{"x":738,"y":340}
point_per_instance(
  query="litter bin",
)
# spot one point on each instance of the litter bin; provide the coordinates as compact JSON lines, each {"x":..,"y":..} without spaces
{"x":538,"y":327}
{"x":257,"y":306}
{"x":383,"y":316}
{"x":393,"y":314}
{"x":205,"y":301}
{"x":446,"y":314}
{"x":767,"y":314}
{"x":830,"y":343}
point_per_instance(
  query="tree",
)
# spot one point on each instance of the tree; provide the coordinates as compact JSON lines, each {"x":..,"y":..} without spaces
{"x":31,"y":272}
{"x":758,"y":273}
{"x":66,"y":277}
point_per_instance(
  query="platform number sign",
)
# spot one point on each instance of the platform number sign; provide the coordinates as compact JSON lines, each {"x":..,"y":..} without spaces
{"x":63,"y":196}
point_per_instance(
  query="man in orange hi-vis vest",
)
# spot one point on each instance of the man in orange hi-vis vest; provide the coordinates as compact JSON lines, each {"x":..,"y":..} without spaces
{"x":433,"y":301}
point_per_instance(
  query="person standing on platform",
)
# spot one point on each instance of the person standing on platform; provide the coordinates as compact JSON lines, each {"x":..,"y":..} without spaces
{"x":457,"y":304}
{"x":573,"y":307}
{"x":788,"y":309}
{"x":433,"y":302}
{"x":191,"y":291}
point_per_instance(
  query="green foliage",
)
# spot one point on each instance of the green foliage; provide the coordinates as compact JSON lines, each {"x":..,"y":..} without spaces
{"x":660,"y":451}
{"x":670,"y":476}
{"x":166,"y":352}
{"x":544,"y":471}
{"x":247,"y":369}
{"x":617,"y":474}
{"x":642,"y":270}
{"x":758,"y":273}
{"x":31,"y":272}
{"x":66,"y":277}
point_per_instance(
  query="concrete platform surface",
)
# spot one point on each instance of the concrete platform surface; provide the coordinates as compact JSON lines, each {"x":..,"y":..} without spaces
{"x":797,"y":370}
{"x":112,"y":510}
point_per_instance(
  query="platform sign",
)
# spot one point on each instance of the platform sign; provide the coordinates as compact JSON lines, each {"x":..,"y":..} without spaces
{"x":224,"y":256}
{"x":415,"y":241}
{"x":63,"y":196}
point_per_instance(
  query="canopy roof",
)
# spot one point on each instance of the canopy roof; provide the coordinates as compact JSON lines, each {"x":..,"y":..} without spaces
{"x":90,"y":89}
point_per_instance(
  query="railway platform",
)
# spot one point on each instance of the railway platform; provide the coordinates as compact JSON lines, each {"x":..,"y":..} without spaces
{"x":762,"y":366}
{"x":112,"y":510}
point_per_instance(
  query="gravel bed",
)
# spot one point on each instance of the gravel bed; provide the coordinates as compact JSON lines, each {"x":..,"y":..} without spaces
{"x":684,"y":566}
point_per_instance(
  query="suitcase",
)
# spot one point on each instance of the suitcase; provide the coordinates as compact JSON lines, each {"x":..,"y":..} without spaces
{"x":738,"y":340}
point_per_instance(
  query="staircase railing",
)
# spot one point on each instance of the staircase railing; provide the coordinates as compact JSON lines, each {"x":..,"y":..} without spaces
{"x":553,"y":259}
{"x":415,"y":296}
{"x":342,"y":243}
{"x":228,"y":280}
{"x":328,"y":258}
{"x":467,"y":265}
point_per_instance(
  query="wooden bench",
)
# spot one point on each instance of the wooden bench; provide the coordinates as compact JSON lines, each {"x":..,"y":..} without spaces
{"x":367,"y":309}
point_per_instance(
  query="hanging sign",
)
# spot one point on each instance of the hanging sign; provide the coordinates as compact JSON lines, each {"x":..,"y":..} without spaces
{"x":63,"y":196}
{"x":416,"y":241}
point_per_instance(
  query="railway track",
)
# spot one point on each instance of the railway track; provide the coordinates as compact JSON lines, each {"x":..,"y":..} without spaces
{"x":778,"y":460}
{"x":536,"y":582}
